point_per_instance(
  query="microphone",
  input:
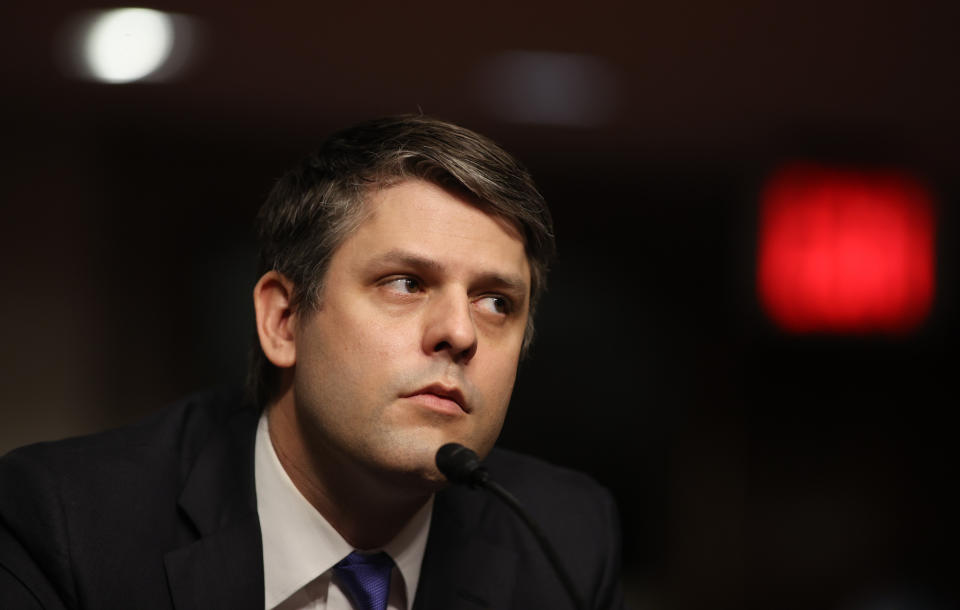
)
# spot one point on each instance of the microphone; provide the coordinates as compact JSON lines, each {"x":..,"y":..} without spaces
{"x":462,"y":466}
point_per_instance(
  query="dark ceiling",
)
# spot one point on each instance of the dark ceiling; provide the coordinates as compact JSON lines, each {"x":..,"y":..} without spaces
{"x":692,"y":78}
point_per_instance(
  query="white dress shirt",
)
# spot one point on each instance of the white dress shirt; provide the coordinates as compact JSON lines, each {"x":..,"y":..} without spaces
{"x":300,"y":547}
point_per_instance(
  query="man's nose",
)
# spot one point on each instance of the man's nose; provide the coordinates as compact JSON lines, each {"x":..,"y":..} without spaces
{"x":450,"y":327}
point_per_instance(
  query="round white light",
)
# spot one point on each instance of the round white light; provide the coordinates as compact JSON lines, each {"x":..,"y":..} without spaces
{"x":127,"y":44}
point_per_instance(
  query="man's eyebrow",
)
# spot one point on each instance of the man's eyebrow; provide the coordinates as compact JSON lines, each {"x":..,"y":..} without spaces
{"x":406,"y":258}
{"x":511,"y":283}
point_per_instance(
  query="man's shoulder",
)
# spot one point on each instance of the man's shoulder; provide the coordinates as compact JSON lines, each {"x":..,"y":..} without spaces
{"x":536,"y":477}
{"x":78,"y":516}
{"x":179,"y":429}
{"x":554,"y":495}
{"x":576,"y":514}
{"x":98,"y":473}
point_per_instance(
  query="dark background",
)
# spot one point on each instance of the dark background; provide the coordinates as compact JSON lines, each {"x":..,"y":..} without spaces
{"x":753,"y":469}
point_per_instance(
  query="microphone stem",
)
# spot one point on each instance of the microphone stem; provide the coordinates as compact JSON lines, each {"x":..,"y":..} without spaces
{"x":551,"y":554}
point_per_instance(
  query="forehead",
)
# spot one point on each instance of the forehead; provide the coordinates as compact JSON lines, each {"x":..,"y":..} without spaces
{"x":426,"y":191}
{"x":433,"y":222}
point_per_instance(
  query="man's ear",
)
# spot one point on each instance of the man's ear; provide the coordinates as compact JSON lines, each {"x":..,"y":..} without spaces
{"x":272,"y":298}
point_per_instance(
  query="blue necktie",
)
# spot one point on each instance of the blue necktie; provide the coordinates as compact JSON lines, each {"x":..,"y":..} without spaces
{"x":366,"y":579}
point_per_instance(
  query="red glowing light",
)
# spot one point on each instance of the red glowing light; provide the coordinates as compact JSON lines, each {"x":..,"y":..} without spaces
{"x":845,"y":251}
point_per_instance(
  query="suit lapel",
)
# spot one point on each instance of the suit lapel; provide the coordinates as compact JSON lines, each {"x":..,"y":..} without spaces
{"x":224,"y":567}
{"x":461,"y":570}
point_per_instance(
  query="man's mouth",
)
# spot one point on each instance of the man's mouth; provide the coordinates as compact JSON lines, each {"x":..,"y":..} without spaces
{"x":440,"y":397}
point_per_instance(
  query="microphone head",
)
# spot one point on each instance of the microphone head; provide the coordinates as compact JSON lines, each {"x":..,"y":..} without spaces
{"x":460,"y":465}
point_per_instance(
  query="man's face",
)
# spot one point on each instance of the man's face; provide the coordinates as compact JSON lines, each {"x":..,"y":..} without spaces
{"x":418,"y":334}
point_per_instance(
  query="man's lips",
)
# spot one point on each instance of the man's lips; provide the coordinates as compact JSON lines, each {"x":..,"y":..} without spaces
{"x":440,"y":396}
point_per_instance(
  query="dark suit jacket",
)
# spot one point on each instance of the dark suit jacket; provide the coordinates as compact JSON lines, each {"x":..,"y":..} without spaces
{"x":163,"y":514}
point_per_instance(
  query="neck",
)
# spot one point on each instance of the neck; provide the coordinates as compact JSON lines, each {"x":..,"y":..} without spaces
{"x":367,"y":509}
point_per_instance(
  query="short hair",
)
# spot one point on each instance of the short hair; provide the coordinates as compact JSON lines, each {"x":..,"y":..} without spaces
{"x":319,"y":203}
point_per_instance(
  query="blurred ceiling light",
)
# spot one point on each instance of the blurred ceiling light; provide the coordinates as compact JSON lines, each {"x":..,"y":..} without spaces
{"x":549,"y":88}
{"x":124,"y":45}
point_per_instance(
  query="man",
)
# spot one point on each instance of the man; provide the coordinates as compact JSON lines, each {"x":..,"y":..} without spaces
{"x":401,"y":265}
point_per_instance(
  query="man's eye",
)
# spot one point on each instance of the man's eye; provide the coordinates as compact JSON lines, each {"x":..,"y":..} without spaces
{"x":494,"y":304}
{"x":406,"y":285}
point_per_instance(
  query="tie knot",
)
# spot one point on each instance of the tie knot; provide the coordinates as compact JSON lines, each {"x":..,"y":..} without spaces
{"x":365,"y":577}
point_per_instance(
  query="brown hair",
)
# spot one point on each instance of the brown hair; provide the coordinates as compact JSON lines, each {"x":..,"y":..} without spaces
{"x":315,"y":206}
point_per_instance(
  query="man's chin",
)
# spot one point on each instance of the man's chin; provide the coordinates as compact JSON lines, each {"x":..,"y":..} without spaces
{"x":411,"y":459}
{"x":414,"y":481}
{"x":409,"y":472}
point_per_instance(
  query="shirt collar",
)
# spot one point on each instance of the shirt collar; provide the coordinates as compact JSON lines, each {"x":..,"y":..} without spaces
{"x":299,"y":544}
